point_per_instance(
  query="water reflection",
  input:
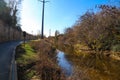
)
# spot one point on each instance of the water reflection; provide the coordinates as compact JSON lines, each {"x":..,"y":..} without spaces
{"x":64,"y":63}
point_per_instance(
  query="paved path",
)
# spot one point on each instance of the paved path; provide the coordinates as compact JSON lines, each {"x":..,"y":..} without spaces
{"x":6,"y":51}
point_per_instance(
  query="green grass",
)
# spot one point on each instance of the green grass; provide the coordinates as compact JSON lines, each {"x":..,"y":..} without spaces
{"x":27,"y":56}
{"x":26,"y":60}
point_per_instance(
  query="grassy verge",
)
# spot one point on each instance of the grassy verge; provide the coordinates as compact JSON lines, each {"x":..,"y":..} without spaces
{"x":37,"y":60}
{"x":26,"y":60}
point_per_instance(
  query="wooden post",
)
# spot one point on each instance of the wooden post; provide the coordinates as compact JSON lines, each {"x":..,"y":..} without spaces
{"x":24,"y":35}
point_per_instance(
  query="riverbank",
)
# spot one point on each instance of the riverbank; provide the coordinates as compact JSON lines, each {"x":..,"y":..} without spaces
{"x":93,"y":66}
{"x":85,"y":65}
{"x":90,"y":64}
{"x":37,"y":61}
{"x":26,"y":59}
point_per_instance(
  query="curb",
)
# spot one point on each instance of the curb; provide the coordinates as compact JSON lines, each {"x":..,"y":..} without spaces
{"x":13,"y":66}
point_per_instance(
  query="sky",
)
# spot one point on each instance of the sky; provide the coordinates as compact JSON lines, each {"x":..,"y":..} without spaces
{"x":59,"y":14}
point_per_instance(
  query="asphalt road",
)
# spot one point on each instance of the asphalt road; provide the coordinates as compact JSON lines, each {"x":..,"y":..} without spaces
{"x":6,"y":52}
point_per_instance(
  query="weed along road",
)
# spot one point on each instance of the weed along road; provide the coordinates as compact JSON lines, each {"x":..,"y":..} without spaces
{"x":6,"y":54}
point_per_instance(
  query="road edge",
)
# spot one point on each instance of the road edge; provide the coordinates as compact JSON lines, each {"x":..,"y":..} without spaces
{"x":13,"y":65}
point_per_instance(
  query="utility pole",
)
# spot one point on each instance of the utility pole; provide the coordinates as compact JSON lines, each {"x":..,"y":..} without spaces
{"x":42,"y":29}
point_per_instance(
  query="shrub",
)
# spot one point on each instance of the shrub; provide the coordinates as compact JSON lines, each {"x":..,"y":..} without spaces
{"x":116,"y":48}
{"x":46,"y":65}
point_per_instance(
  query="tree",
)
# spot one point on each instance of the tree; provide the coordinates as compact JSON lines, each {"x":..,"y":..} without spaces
{"x":56,"y":37}
{"x":5,"y":13}
{"x":14,"y":10}
{"x":99,"y":31}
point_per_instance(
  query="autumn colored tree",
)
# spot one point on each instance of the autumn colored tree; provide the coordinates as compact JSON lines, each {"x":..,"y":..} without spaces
{"x":101,"y":30}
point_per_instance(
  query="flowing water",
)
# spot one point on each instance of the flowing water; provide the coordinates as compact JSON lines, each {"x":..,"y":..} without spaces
{"x":64,"y":63}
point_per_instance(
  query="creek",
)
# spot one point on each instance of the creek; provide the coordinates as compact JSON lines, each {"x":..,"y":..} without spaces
{"x":64,"y":63}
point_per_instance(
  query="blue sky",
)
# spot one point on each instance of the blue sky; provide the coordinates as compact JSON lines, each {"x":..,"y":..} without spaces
{"x":59,"y":14}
